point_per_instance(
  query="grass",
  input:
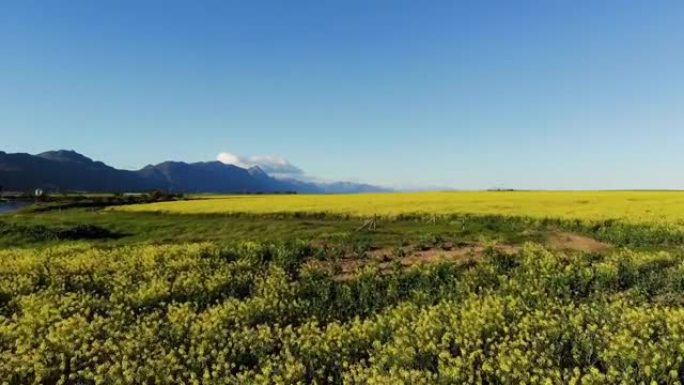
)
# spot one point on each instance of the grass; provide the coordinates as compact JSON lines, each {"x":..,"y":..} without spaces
{"x":31,"y":228}
{"x":627,"y":206}
{"x":140,"y":228}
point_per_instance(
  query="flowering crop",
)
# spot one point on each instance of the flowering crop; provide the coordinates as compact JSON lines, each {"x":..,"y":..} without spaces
{"x":260,"y":314}
{"x":629,"y":206}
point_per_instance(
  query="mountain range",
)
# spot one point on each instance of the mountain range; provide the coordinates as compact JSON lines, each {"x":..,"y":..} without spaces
{"x":65,"y":170}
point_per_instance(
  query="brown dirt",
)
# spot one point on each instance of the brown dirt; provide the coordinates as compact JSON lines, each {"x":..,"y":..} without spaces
{"x":575,"y":242}
{"x":385,"y":258}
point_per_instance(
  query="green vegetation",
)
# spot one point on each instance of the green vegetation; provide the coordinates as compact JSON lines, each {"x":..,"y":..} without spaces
{"x":157,"y":228}
{"x":267,"y":314}
{"x":224,"y":229}
{"x":101,"y":296}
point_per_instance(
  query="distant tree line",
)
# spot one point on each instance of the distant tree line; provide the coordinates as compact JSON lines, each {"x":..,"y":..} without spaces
{"x":53,"y":201}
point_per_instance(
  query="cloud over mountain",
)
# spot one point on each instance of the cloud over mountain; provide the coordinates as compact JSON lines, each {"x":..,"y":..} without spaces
{"x":271,"y":164}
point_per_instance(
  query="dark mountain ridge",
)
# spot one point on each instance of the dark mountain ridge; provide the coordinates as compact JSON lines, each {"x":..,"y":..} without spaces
{"x":70,"y":171}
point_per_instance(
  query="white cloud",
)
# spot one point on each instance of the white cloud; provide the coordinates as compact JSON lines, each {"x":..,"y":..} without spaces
{"x":271,"y":164}
{"x":228,"y":158}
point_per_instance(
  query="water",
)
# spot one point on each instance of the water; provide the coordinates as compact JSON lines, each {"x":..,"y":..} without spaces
{"x":6,"y":207}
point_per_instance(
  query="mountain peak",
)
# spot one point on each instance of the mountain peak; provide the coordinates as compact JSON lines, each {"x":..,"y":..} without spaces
{"x":257,"y":171}
{"x":65,"y":156}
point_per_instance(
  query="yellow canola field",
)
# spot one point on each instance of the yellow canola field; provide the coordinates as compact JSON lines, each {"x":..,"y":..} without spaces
{"x":632,"y":206}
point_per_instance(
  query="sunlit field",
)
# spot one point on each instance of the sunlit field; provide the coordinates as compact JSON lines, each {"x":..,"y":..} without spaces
{"x":135,"y":294}
{"x":632,"y":206}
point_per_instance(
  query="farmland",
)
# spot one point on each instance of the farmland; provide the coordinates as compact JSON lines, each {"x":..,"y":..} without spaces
{"x":443,"y":288}
{"x":630,"y":206}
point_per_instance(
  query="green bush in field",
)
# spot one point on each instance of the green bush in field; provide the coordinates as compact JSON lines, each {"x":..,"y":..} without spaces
{"x":261,"y":314}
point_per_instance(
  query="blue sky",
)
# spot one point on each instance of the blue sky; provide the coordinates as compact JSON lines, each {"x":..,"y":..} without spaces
{"x":556,"y":94}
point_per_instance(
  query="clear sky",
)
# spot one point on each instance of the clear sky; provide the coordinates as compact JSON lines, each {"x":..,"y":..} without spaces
{"x":466,"y":94}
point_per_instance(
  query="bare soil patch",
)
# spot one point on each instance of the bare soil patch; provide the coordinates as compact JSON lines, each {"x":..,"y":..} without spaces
{"x":386,"y":259}
{"x":575,"y":242}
